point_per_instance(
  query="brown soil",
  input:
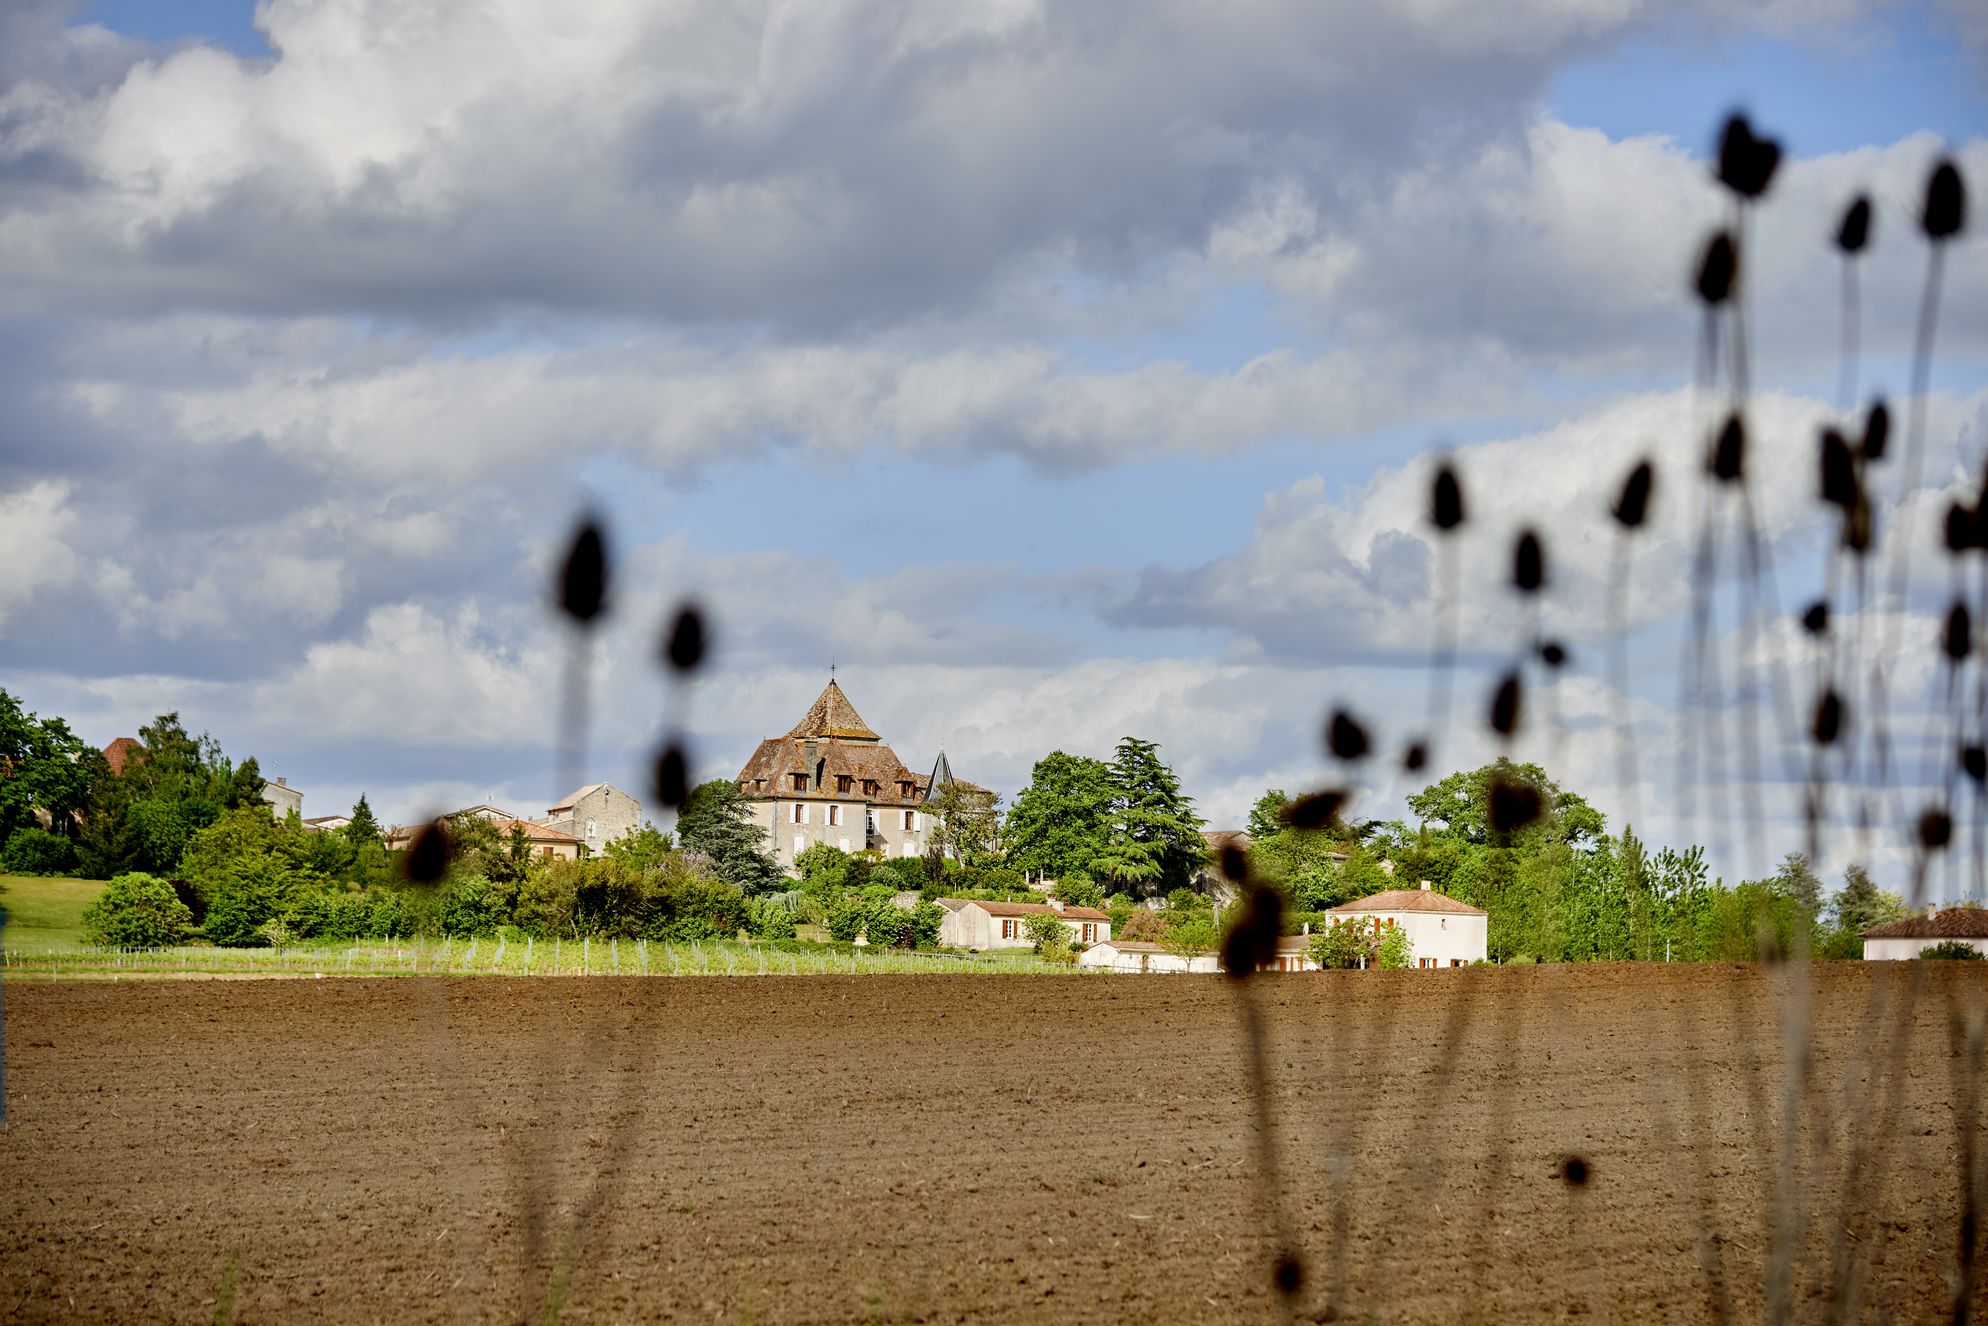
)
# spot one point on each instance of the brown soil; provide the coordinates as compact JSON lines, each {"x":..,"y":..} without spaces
{"x":942,"y":1148}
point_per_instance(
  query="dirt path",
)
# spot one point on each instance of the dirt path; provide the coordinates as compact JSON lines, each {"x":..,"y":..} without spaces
{"x":943,"y":1148}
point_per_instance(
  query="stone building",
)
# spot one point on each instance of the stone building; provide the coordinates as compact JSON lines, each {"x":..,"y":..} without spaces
{"x":597,"y":814}
{"x":832,"y":780}
{"x":283,"y":798}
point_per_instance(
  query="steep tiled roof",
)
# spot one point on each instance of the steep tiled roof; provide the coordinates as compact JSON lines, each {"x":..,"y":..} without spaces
{"x":1409,"y":900}
{"x":121,"y":750}
{"x":1956,"y":923}
{"x":1034,"y":909}
{"x":574,"y":799}
{"x":778,"y":758}
{"x":832,"y":715}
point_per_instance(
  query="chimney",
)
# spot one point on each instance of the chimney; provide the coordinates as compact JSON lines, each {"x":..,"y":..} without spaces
{"x":1425,"y":886}
{"x":1057,"y":903}
{"x":281,"y":781}
{"x":812,"y":763}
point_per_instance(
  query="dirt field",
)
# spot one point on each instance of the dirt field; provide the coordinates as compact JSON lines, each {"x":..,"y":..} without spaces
{"x":944,"y":1148}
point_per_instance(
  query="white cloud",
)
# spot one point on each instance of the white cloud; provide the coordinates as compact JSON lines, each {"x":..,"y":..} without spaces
{"x":36,"y":524}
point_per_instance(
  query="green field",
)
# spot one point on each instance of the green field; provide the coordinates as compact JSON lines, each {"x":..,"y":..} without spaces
{"x":45,"y":913}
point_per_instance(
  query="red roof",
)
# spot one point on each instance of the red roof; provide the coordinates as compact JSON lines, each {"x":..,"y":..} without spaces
{"x":121,"y":750}
{"x":1955,"y":923}
{"x":1035,"y":909}
{"x":1409,"y":900}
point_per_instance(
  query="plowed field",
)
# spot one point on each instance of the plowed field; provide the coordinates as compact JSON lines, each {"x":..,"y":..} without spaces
{"x":986,"y":1148}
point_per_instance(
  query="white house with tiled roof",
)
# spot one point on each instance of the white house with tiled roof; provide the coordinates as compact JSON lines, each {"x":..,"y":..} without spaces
{"x":832,"y":780}
{"x":1913,"y":935}
{"x":1444,"y":931}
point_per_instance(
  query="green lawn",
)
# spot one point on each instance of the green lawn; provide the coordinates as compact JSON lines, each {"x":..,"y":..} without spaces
{"x":46,"y":913}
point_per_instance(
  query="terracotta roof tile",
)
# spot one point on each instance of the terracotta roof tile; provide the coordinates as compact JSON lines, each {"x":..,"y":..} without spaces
{"x":1409,"y":900}
{"x":831,"y":715}
{"x":1955,"y":923}
{"x":121,"y":750}
{"x":1033,"y":909}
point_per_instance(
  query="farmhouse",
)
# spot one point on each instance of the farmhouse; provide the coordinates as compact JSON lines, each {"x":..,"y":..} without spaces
{"x":832,"y":780}
{"x":1907,"y":938}
{"x":1133,"y":955}
{"x":973,"y":924}
{"x":1444,"y":932}
{"x":283,"y":798}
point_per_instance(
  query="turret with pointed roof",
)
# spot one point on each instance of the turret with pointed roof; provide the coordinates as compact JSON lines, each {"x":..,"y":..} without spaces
{"x":831,"y":715}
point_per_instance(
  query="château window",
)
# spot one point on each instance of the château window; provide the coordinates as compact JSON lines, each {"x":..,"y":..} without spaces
{"x":869,"y":787}
{"x":800,"y":781}
{"x":843,"y":782}
{"x":904,"y":789}
{"x":834,"y":816}
{"x":800,"y":812}
{"x":910,"y":820}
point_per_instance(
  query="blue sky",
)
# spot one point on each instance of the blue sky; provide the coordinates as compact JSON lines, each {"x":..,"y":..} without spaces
{"x":1057,"y":385}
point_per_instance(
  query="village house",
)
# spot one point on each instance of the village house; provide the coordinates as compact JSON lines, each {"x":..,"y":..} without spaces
{"x":597,"y":814}
{"x":283,"y":798}
{"x":1443,"y":931}
{"x":832,"y":780}
{"x":970,"y":923}
{"x":548,"y":844}
{"x":1913,"y":935}
{"x":1140,"y":956}
{"x":326,"y":822}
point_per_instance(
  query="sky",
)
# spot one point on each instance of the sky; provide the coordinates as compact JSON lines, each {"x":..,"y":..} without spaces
{"x":1052,"y":376}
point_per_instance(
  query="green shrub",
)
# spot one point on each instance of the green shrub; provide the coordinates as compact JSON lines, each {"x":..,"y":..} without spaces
{"x":1076,"y":890}
{"x":32,"y":851}
{"x":845,"y":918}
{"x":1952,"y":949}
{"x":1340,"y":946}
{"x":886,"y":925}
{"x":136,"y":911}
{"x":1045,"y":930}
{"x":901,"y":874}
{"x":474,"y":905}
{"x":1395,"y":950}
{"x":770,"y":920}
{"x":926,"y":918}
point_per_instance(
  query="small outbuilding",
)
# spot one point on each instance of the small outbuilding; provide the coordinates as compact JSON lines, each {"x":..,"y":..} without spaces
{"x":1140,"y":956}
{"x":1915,"y":934}
{"x":1443,"y":931}
{"x":970,"y":923}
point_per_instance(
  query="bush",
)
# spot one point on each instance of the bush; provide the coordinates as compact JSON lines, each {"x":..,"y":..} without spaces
{"x":887,"y":925}
{"x":37,"y":852}
{"x":136,"y":911}
{"x":1078,"y":891}
{"x":845,"y":918}
{"x":926,"y":918}
{"x":1045,"y":931}
{"x":1952,"y":949}
{"x":902,"y":874}
{"x":1340,"y":946}
{"x":770,"y":920}
{"x":1396,"y":950}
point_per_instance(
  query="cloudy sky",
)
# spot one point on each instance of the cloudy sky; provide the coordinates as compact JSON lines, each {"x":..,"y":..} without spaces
{"x":1058,"y":375}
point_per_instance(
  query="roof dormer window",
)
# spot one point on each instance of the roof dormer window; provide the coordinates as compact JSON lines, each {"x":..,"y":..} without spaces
{"x":800,"y":781}
{"x":843,"y":782}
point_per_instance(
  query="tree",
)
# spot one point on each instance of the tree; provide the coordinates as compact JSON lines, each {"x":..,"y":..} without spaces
{"x":1461,"y":805}
{"x":1860,"y":904}
{"x":1266,"y":817}
{"x":965,"y":822}
{"x":1341,"y":945}
{"x":1952,"y":950}
{"x":1395,"y":950}
{"x":43,"y":772}
{"x":1190,"y":935}
{"x":643,"y":850}
{"x":1061,"y":822}
{"x":364,"y":828}
{"x":1075,"y":890}
{"x":1797,"y":882}
{"x":715,"y":820}
{"x":1155,"y":841}
{"x":136,"y":911}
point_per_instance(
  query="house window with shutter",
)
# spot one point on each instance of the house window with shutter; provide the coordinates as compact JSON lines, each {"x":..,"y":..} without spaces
{"x":800,"y":813}
{"x":1011,"y":929}
{"x":910,"y":821}
{"x":834,"y":816}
